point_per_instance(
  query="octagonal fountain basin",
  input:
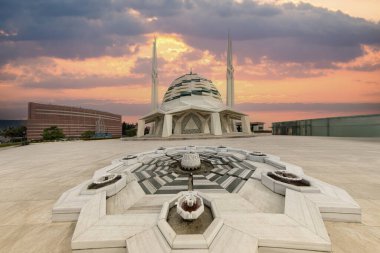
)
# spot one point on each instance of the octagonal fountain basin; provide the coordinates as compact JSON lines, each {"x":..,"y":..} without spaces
{"x":190,"y":206}
{"x":182,"y":233}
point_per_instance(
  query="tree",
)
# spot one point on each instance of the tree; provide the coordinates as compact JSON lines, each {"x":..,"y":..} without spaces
{"x":124,"y":128}
{"x":87,"y":134}
{"x":52,"y":133}
{"x":131,"y":132}
{"x":128,"y":129}
{"x":13,"y":132}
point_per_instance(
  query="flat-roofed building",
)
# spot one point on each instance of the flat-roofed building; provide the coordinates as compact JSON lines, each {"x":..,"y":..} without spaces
{"x":72,"y":120}
{"x":346,"y":126}
{"x":257,"y":126}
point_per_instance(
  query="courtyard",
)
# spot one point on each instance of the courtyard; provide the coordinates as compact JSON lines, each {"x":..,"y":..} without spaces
{"x":33,"y":178}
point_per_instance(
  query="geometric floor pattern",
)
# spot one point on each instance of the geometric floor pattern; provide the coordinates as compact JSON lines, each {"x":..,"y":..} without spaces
{"x":252,"y":212}
{"x":155,"y":176}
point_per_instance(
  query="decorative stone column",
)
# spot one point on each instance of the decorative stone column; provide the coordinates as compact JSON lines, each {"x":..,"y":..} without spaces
{"x":167,"y":128}
{"x":216,"y":128}
{"x":151,"y":130}
{"x":233,"y":125}
{"x":177,"y":127}
{"x":225,"y":124}
{"x":245,"y":124}
{"x":140,"y":128}
{"x":158,"y":126}
{"x":206,"y":127}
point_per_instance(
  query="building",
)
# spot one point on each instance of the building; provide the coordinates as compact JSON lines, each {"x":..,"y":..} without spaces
{"x":193,"y":105}
{"x":257,"y":126}
{"x":72,"y":120}
{"x":348,"y":126}
{"x":254,"y":126}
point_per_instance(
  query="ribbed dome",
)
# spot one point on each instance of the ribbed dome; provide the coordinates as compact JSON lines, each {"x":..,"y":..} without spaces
{"x":191,"y":85}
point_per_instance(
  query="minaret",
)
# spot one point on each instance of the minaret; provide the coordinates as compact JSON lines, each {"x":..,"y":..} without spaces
{"x":230,"y":75}
{"x":154,"y":99}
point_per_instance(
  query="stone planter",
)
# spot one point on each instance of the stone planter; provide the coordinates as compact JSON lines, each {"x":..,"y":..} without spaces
{"x":278,"y":186}
{"x":129,"y":159}
{"x":106,"y":180}
{"x":109,"y":183}
{"x":257,"y":156}
{"x":191,"y":147}
{"x":160,"y":150}
{"x":285,"y":176}
{"x":222,"y":149}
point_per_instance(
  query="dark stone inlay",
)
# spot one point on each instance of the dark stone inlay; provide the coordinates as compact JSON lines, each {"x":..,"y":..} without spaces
{"x":222,"y":179}
{"x":208,"y":186}
{"x":144,"y":188}
{"x":154,"y":183}
{"x":233,"y":184}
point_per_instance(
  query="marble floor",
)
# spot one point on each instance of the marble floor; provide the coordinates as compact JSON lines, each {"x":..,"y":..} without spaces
{"x":33,"y":177}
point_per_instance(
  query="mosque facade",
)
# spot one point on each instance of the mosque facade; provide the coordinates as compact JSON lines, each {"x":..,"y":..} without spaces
{"x":192,"y":105}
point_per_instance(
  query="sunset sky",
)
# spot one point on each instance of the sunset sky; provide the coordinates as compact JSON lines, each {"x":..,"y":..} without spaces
{"x":292,"y":59}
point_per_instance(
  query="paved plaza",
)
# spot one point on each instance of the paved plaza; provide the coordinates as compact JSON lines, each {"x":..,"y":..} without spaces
{"x":33,"y":178}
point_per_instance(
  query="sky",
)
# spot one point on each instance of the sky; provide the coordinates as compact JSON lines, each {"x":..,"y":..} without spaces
{"x":292,"y":59}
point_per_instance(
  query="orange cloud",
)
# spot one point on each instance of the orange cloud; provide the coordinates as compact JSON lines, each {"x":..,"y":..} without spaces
{"x":367,"y":9}
{"x":265,"y":81}
{"x":369,"y":61}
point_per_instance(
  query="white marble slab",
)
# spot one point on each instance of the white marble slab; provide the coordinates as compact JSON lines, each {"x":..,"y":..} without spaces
{"x":148,"y":241}
{"x":242,"y":242}
{"x":254,"y":220}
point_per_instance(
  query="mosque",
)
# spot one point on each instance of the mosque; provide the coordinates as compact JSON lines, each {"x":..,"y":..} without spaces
{"x":192,"y":105}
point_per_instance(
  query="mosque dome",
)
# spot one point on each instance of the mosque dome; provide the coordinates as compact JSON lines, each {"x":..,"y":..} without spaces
{"x":192,"y":90}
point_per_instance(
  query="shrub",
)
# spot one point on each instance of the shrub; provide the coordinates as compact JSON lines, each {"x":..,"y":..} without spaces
{"x":87,"y":134}
{"x":52,"y":133}
{"x":131,"y":132}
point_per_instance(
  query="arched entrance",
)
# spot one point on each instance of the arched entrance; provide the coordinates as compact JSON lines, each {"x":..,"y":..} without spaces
{"x":191,"y":124}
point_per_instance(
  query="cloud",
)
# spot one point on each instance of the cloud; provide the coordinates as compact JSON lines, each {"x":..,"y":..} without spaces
{"x":18,"y":110}
{"x":85,"y":83}
{"x":310,"y":107}
{"x":287,"y":32}
{"x":14,"y":110}
{"x":53,"y":73}
{"x":160,"y":8}
{"x":89,"y":28}
{"x":67,"y":29}
{"x":369,"y":61}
